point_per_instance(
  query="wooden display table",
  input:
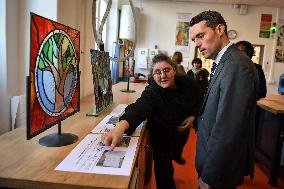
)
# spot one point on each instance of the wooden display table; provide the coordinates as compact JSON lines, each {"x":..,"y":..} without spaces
{"x":270,"y":134}
{"x":27,"y":164}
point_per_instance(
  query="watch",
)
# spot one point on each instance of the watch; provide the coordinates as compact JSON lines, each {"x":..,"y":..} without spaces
{"x":232,"y":34}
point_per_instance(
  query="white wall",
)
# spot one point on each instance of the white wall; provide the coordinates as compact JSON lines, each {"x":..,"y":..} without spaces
{"x":44,"y":8}
{"x":12,"y":47}
{"x":158,"y":22}
{"x":16,"y":48}
{"x":112,"y":27}
{"x":88,"y":42}
{"x":4,"y":101}
{"x":69,"y":13}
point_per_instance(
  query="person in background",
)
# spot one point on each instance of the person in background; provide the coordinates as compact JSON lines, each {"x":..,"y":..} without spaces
{"x":199,"y":74}
{"x":248,"y":49}
{"x":170,"y":104}
{"x":225,"y":136}
{"x":180,"y":38}
{"x":139,"y":78}
{"x":177,"y":59}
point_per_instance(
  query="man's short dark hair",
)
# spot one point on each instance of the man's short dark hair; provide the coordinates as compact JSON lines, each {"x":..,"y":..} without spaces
{"x":249,"y":48}
{"x":212,"y":19}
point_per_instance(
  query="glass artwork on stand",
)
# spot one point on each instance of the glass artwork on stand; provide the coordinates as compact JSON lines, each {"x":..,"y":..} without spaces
{"x":128,"y":65}
{"x":102,"y":81}
{"x":54,"y":82}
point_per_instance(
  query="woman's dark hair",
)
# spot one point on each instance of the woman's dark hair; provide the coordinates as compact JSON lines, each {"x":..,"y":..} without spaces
{"x":196,"y":60}
{"x":249,"y":48}
{"x":159,"y":58}
{"x":177,"y":57}
{"x":212,"y":19}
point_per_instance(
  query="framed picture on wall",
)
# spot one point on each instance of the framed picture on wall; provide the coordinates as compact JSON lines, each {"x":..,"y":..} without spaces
{"x":182,"y":36}
{"x":279,"y":50}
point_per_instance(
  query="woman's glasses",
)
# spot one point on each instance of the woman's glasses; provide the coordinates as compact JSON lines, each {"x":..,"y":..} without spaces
{"x":166,"y":71}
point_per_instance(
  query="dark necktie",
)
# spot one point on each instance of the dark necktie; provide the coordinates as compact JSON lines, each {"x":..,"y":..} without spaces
{"x":213,"y":68}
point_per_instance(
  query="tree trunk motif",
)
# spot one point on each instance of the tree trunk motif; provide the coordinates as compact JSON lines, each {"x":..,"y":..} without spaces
{"x":58,"y":58}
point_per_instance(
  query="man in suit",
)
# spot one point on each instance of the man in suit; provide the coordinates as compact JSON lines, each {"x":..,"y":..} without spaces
{"x":225,"y":138}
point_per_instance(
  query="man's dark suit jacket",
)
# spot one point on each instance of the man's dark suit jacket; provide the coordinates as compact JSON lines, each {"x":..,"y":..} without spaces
{"x":225,"y":138}
{"x":262,"y":82}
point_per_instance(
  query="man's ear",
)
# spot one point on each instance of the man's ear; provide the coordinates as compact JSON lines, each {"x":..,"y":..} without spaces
{"x":220,"y":29}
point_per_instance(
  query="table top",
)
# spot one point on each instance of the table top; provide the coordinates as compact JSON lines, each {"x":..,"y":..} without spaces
{"x":27,"y":164}
{"x":273,"y":103}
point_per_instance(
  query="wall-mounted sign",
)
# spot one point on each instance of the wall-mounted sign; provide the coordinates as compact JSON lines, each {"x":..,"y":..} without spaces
{"x":265,"y":24}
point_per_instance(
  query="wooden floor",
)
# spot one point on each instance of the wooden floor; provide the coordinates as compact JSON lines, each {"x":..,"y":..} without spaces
{"x":186,"y":177}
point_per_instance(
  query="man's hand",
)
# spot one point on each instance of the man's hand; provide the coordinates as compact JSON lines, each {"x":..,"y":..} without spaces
{"x":186,"y":124}
{"x":114,"y":136}
{"x":202,"y":184}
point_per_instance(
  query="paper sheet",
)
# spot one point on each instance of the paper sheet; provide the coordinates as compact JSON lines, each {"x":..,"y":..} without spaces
{"x":91,"y":156}
{"x":118,"y":110}
{"x":109,"y":122}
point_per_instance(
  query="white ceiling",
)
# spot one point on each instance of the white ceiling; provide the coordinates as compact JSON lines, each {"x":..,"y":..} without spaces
{"x":273,"y":3}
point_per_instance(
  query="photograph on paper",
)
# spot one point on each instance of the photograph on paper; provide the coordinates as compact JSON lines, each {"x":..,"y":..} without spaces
{"x":109,"y":122}
{"x":111,"y":158}
{"x":92,"y":156}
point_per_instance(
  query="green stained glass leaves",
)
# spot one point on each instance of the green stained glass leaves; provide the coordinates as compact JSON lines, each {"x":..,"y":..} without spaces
{"x":57,"y":50}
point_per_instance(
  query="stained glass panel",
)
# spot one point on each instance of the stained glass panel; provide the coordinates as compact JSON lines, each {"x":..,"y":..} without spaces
{"x":54,"y":74}
{"x":102,"y":81}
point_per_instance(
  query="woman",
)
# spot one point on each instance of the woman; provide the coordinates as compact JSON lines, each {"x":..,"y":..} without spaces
{"x":177,"y":59}
{"x":199,"y":74}
{"x":180,"y":38}
{"x":170,"y":104}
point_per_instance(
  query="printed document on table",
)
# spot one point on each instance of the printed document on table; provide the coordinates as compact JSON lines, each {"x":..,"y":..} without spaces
{"x":109,"y":122}
{"x":91,"y":156}
{"x":118,"y":110}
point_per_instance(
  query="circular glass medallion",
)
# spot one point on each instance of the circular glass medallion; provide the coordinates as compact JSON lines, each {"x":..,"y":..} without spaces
{"x":56,"y":72}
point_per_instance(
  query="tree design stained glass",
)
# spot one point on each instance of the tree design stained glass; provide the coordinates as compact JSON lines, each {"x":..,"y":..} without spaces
{"x":54,"y":74}
{"x":102,"y":81}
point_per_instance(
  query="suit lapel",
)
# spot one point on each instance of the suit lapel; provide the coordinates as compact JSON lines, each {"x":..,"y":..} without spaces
{"x":216,"y":75}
